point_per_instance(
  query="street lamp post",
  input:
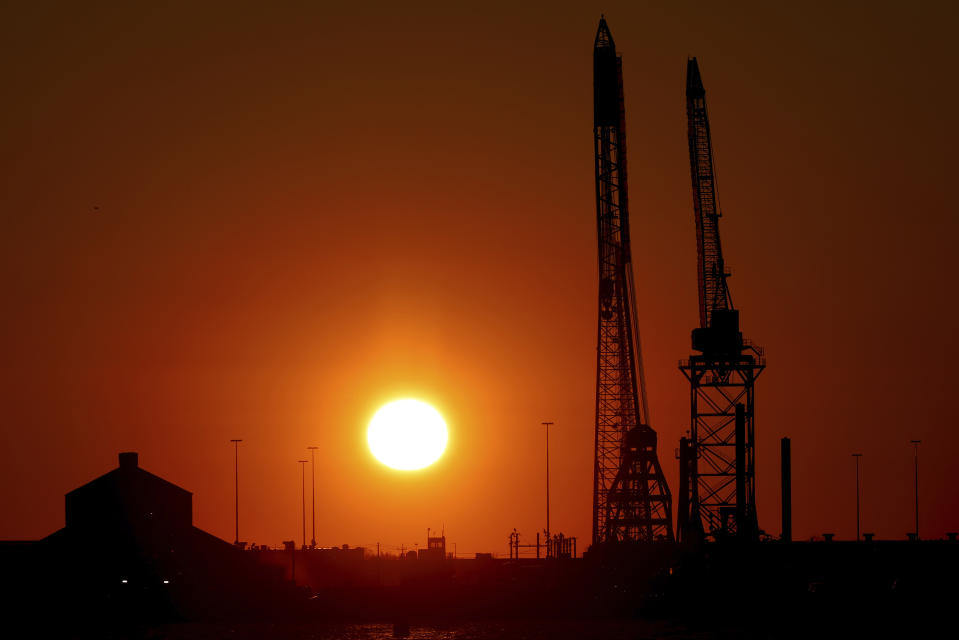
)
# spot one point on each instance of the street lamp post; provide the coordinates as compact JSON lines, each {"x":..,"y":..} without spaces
{"x":857,"y":456}
{"x":313,"y":493}
{"x":915,"y":448}
{"x":303,"y":495}
{"x":236,"y":488}
{"x":547,"y":425}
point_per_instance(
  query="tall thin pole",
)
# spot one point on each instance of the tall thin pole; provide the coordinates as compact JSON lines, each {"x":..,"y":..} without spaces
{"x":313,"y":492}
{"x":303,"y":494}
{"x":915,"y":447}
{"x":547,"y":425}
{"x":236,"y":488}
{"x":857,"y":456}
{"x":785,"y":453}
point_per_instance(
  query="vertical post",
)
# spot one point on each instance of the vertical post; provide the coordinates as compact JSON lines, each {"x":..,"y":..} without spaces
{"x":915,"y":447}
{"x":313,"y":493}
{"x":857,"y":456}
{"x":303,"y":495}
{"x":787,"y":490}
{"x":742,"y":529}
{"x":547,"y":425}
{"x":537,"y":545}
{"x":682,"y":515}
{"x":236,"y":489}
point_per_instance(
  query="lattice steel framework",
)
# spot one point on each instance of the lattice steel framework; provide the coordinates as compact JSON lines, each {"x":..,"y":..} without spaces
{"x":720,"y":458}
{"x":631,"y":501}
{"x":722,"y":488}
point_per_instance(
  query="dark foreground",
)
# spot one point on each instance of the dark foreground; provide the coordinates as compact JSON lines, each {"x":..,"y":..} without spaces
{"x":561,"y":629}
{"x":762,"y":590}
{"x":490,"y":630}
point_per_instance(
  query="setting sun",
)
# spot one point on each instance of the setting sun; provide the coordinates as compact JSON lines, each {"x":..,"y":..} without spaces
{"x":407,"y":435}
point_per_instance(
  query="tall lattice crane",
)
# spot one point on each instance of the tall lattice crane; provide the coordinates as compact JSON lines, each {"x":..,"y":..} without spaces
{"x":717,"y":473}
{"x":631,"y":501}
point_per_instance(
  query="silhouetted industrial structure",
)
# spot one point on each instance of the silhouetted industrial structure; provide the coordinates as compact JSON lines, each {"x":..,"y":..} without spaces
{"x":631,"y":501}
{"x":717,"y":497}
{"x":548,"y":546}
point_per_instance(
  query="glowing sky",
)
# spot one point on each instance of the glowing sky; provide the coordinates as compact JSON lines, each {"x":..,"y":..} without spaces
{"x":263,"y":222}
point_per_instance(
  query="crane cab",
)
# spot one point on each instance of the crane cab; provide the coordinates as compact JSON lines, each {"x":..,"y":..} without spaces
{"x":722,"y":336}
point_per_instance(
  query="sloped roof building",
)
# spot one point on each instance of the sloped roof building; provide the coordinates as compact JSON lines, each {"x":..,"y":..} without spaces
{"x":129,"y":550}
{"x":128,"y":496}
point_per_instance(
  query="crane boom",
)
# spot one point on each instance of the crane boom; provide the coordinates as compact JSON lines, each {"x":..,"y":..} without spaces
{"x":713,"y":290}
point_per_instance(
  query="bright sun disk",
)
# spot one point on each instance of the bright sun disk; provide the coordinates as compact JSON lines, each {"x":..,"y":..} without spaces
{"x":407,"y":435}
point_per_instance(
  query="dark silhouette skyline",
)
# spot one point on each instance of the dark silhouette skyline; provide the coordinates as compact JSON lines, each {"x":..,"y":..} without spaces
{"x":129,"y":558}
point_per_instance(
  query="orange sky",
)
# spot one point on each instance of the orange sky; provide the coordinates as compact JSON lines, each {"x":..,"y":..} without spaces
{"x":263,"y":223}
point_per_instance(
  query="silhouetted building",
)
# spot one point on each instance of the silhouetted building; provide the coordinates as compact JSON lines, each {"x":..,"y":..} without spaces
{"x":129,"y":550}
{"x":435,"y":549}
{"x":128,"y":496}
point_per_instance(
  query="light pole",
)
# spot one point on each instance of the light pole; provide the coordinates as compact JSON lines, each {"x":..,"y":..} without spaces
{"x":303,"y":494}
{"x":915,"y":448}
{"x":547,"y":425}
{"x":236,"y":488}
{"x":313,"y":492}
{"x":857,"y":456}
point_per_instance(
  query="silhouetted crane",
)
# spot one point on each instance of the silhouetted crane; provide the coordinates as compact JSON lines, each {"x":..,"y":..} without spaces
{"x":717,"y":478}
{"x":631,"y":501}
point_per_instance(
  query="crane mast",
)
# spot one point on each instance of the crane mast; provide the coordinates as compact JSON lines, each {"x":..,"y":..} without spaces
{"x":717,"y":461}
{"x":631,"y":501}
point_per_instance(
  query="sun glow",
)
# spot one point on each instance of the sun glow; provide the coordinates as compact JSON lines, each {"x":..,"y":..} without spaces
{"x":407,"y":435}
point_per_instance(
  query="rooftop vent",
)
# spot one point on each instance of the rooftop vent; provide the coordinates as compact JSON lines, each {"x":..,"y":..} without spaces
{"x":128,"y":460}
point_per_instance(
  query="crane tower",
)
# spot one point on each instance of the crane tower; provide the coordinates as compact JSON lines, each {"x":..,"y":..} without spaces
{"x":631,"y":501}
{"x":717,"y":474}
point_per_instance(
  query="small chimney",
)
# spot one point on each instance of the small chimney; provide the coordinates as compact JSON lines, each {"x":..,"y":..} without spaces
{"x":128,"y":460}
